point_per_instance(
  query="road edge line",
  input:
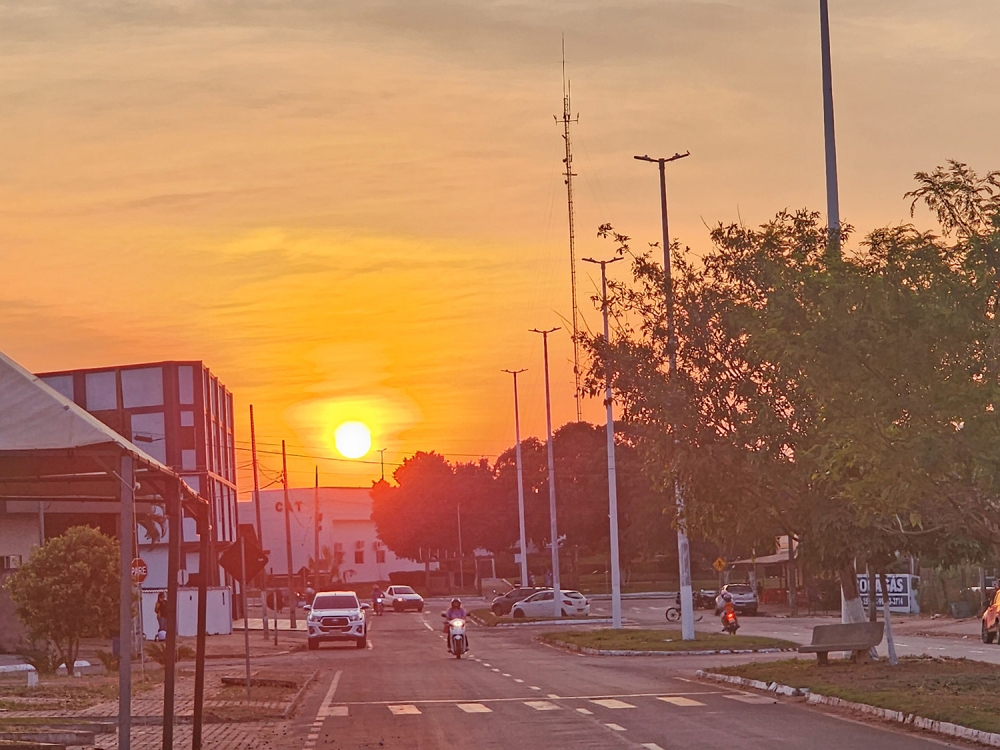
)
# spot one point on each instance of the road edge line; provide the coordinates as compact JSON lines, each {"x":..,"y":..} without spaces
{"x":295,"y":699}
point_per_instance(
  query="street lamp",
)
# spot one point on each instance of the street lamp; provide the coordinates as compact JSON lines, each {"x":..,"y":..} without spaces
{"x":553,"y":526}
{"x":830,"y":140}
{"x":520,"y":481}
{"x":616,"y":584}
{"x":683,"y":546}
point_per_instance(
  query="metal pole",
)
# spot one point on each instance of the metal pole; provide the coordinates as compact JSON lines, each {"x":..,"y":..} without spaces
{"x":246,"y":620}
{"x":553,"y":525}
{"x":316,"y":530}
{"x":616,"y":585}
{"x":288,"y":540}
{"x":260,"y":526}
{"x":204,"y":558}
{"x":125,"y":520}
{"x":829,"y":136}
{"x":381,"y":457}
{"x":175,"y":533}
{"x":520,"y":482}
{"x":461,"y":566}
{"x":683,"y":545}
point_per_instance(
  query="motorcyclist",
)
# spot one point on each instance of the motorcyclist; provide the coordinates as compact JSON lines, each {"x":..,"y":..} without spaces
{"x":455,"y":612}
{"x":728,"y":608}
{"x":376,"y":595}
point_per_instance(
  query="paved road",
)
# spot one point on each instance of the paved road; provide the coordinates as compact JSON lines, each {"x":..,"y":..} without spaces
{"x":511,"y":692}
{"x":650,"y":613}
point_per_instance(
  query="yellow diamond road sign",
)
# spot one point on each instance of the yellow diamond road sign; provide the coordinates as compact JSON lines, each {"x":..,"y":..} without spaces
{"x":719,"y":564}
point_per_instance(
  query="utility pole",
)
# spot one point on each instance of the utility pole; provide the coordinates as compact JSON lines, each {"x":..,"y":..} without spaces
{"x":260,"y":526}
{"x":553,"y":525}
{"x":288,"y":540}
{"x":567,"y":118}
{"x":832,"y":191}
{"x":683,"y":546}
{"x":316,"y":519}
{"x":616,"y":582}
{"x":461,"y":560}
{"x":520,"y":481}
{"x":381,"y":455}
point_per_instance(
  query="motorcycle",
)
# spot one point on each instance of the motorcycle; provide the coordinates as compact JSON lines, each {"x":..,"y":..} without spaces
{"x":458,"y":644}
{"x":729,"y":623}
{"x":379,"y":606}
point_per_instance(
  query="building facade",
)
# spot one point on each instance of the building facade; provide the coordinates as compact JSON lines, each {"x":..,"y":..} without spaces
{"x":178,"y":413}
{"x":346,"y":533}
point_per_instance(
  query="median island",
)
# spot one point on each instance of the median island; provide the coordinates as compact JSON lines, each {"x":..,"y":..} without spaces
{"x":487,"y":618}
{"x":660,"y":640}
{"x":959,"y":691}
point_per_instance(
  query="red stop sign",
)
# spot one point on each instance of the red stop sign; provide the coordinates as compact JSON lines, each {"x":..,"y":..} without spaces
{"x":139,"y":569}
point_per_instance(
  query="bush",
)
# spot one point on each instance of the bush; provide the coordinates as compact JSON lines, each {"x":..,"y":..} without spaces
{"x":43,"y":659}
{"x":109,"y":661}
{"x":157,"y":651}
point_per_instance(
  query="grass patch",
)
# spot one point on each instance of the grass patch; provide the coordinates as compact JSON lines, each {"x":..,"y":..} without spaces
{"x":68,"y":692}
{"x":957,"y":690}
{"x":490,"y":619}
{"x":661,"y":640}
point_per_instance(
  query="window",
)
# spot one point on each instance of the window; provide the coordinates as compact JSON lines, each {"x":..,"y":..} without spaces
{"x":359,"y":557}
{"x":142,"y":387}
{"x":380,"y":555}
{"x":335,"y":601}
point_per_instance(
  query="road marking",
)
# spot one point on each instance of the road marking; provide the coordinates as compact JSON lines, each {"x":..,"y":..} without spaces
{"x":752,"y":699}
{"x":324,"y":708}
{"x":678,"y":700}
{"x":534,"y":687}
{"x":475,"y":708}
{"x":651,"y":746}
{"x":615,"y":727}
{"x":487,"y":665}
{"x":518,"y":680}
{"x":553,"y":695}
{"x":542,"y":705}
{"x":506,"y":675}
{"x":338,"y":711}
{"x":369,"y":646}
{"x":428,"y":626}
{"x":612,"y":703}
{"x":407,"y":710}
{"x":495,"y":669}
{"x":585,"y":711}
{"x":441,"y":701}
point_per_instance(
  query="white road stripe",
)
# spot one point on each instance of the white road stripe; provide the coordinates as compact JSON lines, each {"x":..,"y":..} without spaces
{"x":506,"y":675}
{"x":518,"y":680}
{"x":585,"y":711}
{"x":324,"y":708}
{"x":553,"y":695}
{"x":651,"y":746}
{"x":612,"y":703}
{"x":677,"y":700}
{"x":752,"y":699}
{"x":615,"y":727}
{"x":542,"y":705}
{"x":338,"y":711}
{"x":475,"y":708}
{"x":406,"y":710}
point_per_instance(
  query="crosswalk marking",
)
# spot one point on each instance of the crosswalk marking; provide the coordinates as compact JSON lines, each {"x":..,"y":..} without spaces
{"x":612,"y":703}
{"x":542,"y":705}
{"x":651,"y":746}
{"x":752,"y":699}
{"x":534,"y":687}
{"x":615,"y":727}
{"x":677,"y":700}
{"x":337,"y":711}
{"x":585,"y":711}
{"x":495,"y":669}
{"x":553,"y":695}
{"x":407,"y":710}
{"x":506,"y":675}
{"x":475,"y":708}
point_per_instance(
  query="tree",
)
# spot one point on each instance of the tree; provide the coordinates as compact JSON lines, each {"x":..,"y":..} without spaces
{"x":68,"y":590}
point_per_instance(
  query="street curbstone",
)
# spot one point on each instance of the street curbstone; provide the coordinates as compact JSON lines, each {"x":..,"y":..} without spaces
{"x":295,"y":699}
{"x":624,"y":652}
{"x":990,"y":739}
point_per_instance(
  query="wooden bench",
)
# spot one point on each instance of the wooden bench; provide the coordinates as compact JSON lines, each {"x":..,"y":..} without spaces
{"x":858,"y":637}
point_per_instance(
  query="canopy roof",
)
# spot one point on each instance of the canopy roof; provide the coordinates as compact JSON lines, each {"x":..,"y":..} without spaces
{"x":50,"y":448}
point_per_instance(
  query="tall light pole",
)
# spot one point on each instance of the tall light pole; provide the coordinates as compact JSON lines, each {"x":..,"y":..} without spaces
{"x":520,"y":481}
{"x":553,"y":526}
{"x":616,"y":581}
{"x":832,"y":191}
{"x":288,"y":541}
{"x":260,"y":527}
{"x":683,"y":546}
{"x":461,"y":560}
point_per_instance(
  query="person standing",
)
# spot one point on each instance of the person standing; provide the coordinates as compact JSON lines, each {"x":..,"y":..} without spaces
{"x":161,"y":612}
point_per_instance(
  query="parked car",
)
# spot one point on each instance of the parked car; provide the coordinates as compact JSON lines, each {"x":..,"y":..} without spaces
{"x":705,"y":598}
{"x":502,"y":605}
{"x":991,"y":621}
{"x":402,"y":598}
{"x":744,"y":598}
{"x":337,"y":616}
{"x":540,"y":604}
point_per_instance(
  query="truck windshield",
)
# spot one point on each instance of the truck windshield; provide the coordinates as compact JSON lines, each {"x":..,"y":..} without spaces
{"x":335,"y":601}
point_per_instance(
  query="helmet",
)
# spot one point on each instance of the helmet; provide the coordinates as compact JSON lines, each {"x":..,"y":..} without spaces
{"x":726,"y":596}
{"x":456,"y":602}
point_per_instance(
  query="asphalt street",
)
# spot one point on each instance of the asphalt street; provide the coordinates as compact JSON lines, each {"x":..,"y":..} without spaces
{"x":405,"y":691}
{"x":650,"y":613}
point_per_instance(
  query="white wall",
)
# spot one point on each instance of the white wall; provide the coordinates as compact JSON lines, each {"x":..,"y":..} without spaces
{"x":218,"y":619}
{"x":18,"y":534}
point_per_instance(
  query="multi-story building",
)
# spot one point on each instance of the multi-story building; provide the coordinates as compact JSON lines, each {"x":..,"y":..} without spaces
{"x":346,"y":537}
{"x":178,"y":413}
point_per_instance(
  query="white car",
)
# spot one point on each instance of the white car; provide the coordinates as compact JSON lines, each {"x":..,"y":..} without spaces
{"x":574,"y":604}
{"x":337,"y":616}
{"x":401,"y":598}
{"x":744,"y":598}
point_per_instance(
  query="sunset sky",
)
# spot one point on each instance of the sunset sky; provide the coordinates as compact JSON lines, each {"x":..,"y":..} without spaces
{"x":354,"y":210}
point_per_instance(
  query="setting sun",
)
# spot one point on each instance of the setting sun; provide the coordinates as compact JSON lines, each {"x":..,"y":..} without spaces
{"x":353,"y":439}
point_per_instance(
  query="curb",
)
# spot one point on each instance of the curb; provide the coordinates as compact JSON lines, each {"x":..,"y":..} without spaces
{"x":946,"y":728}
{"x":704,"y":652}
{"x":298,"y":695}
{"x":567,"y":621}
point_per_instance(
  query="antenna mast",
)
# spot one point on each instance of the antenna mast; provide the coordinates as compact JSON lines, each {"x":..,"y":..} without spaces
{"x":567,"y":118}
